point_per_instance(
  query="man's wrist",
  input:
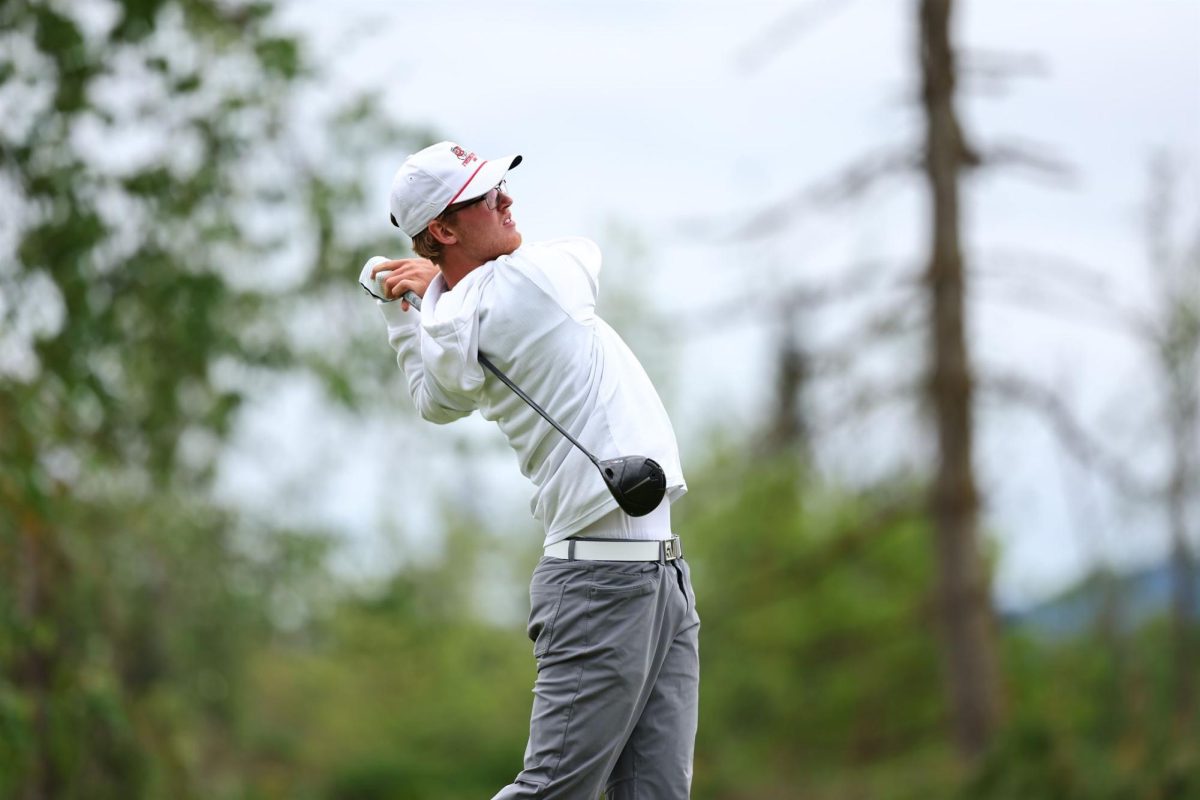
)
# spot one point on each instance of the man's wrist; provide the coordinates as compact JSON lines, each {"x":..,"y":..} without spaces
{"x":396,"y":316}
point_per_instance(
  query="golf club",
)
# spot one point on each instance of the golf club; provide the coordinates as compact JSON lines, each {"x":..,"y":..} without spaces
{"x":637,"y":483}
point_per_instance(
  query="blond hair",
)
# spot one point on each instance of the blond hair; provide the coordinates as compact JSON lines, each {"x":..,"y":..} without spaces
{"x":426,"y":246}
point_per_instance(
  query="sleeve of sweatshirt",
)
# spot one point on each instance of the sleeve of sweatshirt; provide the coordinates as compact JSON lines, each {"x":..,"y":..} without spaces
{"x":434,"y":402}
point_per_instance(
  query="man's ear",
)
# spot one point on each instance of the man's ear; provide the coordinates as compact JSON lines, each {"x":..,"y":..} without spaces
{"x":442,"y":232}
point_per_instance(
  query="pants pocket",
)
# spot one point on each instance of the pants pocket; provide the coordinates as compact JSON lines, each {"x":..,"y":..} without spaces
{"x":545,"y":600}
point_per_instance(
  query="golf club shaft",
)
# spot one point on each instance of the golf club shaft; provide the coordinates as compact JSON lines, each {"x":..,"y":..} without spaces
{"x":415,"y":302}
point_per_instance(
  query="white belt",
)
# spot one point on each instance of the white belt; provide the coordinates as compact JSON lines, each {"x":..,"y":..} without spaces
{"x":616,"y":550}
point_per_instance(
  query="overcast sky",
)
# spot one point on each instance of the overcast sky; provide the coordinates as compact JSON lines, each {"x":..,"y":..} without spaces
{"x":673,"y":123}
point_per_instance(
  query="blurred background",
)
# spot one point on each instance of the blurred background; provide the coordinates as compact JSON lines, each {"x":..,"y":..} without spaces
{"x":919,"y":283}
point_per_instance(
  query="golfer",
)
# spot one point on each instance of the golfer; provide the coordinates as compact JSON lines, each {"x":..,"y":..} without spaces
{"x":612,"y":613}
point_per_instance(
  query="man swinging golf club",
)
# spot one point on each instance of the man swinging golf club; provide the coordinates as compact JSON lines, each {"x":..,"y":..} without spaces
{"x":511,"y":329}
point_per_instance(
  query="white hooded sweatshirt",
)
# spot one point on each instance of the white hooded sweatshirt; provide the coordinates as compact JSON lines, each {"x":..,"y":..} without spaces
{"x":534,"y":314}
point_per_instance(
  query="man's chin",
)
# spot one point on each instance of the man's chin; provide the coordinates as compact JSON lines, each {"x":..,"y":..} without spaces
{"x":512,"y":244}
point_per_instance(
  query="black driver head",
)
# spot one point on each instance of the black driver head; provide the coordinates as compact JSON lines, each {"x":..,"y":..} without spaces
{"x":636,"y":482}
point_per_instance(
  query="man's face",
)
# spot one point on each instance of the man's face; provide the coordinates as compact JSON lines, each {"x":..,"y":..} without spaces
{"x":486,"y":233}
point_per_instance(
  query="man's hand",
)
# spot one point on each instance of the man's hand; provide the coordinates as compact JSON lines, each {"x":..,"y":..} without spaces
{"x":406,"y":274}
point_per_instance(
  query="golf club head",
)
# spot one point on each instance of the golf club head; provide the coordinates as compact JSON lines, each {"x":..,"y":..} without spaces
{"x":636,"y":482}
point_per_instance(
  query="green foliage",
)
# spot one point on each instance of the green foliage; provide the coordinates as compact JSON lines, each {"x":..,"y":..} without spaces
{"x":135,"y":664}
{"x":818,"y":652}
{"x":819,"y":675}
{"x":137,"y":180}
{"x":403,"y":694}
{"x":1091,"y":718}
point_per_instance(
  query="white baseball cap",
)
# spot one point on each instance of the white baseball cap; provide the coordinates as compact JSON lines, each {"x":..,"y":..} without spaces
{"x":432,"y":179}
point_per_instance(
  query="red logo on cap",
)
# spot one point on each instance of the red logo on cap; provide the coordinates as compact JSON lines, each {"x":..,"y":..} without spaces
{"x":463,"y":155}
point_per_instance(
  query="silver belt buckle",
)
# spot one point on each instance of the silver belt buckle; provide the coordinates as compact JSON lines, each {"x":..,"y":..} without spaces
{"x":670,"y":550}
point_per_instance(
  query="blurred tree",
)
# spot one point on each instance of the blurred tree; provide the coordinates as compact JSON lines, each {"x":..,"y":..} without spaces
{"x":819,"y":676}
{"x":788,"y":432}
{"x":402,"y":692}
{"x":819,"y":656}
{"x":1167,"y":330}
{"x":964,"y":597}
{"x":948,"y":385}
{"x":405,"y":692}
{"x":1173,"y":336}
{"x":154,"y":201}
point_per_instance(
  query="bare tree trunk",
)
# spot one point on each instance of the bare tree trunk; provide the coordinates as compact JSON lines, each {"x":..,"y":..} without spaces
{"x":26,"y":581}
{"x":789,"y":430}
{"x":969,"y":648}
{"x":33,"y":669}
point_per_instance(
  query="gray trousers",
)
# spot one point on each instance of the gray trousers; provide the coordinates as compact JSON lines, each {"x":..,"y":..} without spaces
{"x":618,"y":674}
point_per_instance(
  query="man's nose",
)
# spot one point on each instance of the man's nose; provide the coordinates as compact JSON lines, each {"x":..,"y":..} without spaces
{"x":505,"y":201}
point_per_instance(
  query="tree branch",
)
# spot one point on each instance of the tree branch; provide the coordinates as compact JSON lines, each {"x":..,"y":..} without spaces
{"x":1086,"y":282}
{"x":850,"y":183}
{"x":785,"y":32}
{"x":893,"y":323}
{"x":862,"y":279}
{"x":1027,"y":155}
{"x":869,"y":398}
{"x":989,"y":71}
{"x":1074,"y":437}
